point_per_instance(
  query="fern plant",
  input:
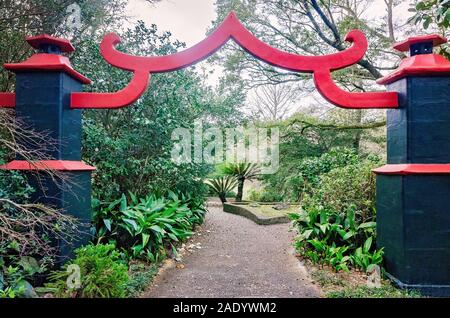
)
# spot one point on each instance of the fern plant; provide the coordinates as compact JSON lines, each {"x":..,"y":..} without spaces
{"x":242,"y":172}
{"x":222,"y":185}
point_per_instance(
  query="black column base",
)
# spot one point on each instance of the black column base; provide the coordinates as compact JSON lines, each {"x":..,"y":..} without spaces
{"x":413,"y":227}
{"x":424,"y":290}
{"x":73,"y":198}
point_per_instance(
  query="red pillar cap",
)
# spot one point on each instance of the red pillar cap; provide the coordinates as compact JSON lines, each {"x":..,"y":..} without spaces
{"x":38,"y":40}
{"x":404,"y":46}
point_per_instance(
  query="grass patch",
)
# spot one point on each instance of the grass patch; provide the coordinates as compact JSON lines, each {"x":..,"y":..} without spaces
{"x":140,"y":276}
{"x":268,"y":211}
{"x":353,"y":284}
{"x":385,"y":291}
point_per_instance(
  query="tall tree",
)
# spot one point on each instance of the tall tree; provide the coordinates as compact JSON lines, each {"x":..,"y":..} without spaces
{"x":311,"y":27}
{"x":273,"y":102}
{"x":21,"y":18}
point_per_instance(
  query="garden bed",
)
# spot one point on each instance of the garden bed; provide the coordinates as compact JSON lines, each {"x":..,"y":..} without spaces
{"x":260,"y":213}
{"x":352,"y":284}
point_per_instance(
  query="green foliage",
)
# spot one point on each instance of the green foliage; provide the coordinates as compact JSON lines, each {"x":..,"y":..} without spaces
{"x":222,"y":186}
{"x":337,"y":223}
{"x":431,"y":11}
{"x":141,"y":275}
{"x":19,"y":273}
{"x":103,"y":273}
{"x":26,"y":232}
{"x":385,"y":291}
{"x":432,"y":14}
{"x":14,"y":186}
{"x":241,"y":172}
{"x":8,"y":292}
{"x":348,"y":184}
{"x":14,"y":277}
{"x":146,"y":227}
{"x":299,"y":177}
{"x":267,"y":194}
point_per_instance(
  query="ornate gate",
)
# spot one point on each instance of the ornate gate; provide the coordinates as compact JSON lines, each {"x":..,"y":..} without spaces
{"x":413,"y":189}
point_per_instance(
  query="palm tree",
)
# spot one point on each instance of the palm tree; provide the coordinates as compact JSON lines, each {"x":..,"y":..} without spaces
{"x":222,"y":185}
{"x":242,"y":172}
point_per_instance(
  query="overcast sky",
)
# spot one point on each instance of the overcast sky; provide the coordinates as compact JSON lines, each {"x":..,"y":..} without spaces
{"x":188,"y":20}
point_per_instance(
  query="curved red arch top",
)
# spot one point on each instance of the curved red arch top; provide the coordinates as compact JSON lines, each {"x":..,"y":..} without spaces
{"x":232,"y":28}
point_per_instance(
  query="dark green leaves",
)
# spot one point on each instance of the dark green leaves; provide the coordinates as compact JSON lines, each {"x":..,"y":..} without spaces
{"x":144,"y":227}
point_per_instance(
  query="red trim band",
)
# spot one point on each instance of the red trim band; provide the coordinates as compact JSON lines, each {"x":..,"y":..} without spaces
{"x":414,"y":168}
{"x":8,"y":100}
{"x":60,"y":165}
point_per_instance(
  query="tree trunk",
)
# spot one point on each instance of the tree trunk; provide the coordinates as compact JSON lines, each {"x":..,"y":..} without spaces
{"x":223,"y":197}
{"x":358,"y":132}
{"x":240,"y":189}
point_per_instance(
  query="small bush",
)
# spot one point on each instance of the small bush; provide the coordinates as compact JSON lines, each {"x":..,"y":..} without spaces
{"x":338,"y":221}
{"x":141,"y":275}
{"x":296,"y":178}
{"x":265,"y":195}
{"x":146,"y":228}
{"x":103,"y":273}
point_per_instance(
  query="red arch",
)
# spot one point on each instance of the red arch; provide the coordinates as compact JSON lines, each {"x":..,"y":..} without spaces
{"x":232,"y":28}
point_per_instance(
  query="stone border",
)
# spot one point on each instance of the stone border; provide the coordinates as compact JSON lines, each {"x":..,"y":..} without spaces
{"x":240,"y":209}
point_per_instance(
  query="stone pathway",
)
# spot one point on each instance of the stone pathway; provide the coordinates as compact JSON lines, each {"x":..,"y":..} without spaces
{"x":233,"y":257}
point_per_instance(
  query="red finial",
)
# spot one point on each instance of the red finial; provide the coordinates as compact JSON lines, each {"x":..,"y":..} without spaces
{"x":422,"y":61}
{"x":405,"y":45}
{"x":49,"y":58}
{"x":44,"y":39}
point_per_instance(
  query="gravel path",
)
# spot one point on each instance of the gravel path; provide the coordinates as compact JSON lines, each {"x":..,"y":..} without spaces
{"x":232,"y":256}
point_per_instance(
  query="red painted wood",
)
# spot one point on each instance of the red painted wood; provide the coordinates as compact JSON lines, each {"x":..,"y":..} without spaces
{"x":8,"y":100}
{"x":38,"y":40}
{"x":60,"y":165}
{"x":413,"y":168}
{"x":419,"y":65}
{"x":119,"y":99}
{"x":232,"y":28}
{"x":335,"y":95}
{"x":405,"y":45}
{"x":47,"y":62}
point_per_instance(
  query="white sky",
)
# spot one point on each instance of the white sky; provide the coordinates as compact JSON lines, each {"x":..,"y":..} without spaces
{"x":187,"y":20}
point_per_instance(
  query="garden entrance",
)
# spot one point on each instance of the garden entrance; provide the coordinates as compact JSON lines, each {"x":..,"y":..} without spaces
{"x":412,"y":191}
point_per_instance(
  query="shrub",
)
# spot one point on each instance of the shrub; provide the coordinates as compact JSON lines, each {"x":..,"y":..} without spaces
{"x":299,"y":178}
{"x":103,"y":273}
{"x":18,"y":273}
{"x":264,"y":195}
{"x":146,"y":227}
{"x":347,"y":187}
{"x":141,"y":275}
{"x":337,"y":222}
